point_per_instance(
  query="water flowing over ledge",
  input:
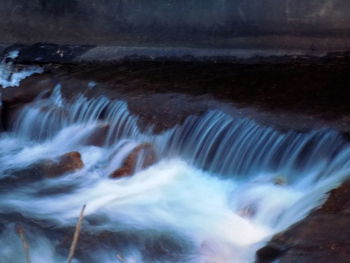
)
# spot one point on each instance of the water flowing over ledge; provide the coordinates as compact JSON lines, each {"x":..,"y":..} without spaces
{"x":221,"y":186}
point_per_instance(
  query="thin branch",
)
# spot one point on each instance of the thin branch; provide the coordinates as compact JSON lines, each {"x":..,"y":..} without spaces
{"x":76,"y":236}
{"x":20,"y":232}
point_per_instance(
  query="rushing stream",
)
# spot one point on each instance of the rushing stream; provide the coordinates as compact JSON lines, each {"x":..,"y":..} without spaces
{"x":220,"y":188}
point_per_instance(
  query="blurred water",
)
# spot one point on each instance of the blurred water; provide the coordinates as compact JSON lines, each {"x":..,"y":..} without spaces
{"x":221,"y":188}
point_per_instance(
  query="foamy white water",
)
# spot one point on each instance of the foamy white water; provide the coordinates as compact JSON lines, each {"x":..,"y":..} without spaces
{"x":221,"y":188}
{"x":12,"y":77}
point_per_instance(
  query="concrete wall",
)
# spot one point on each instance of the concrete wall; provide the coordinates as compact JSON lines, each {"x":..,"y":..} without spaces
{"x":194,"y":23}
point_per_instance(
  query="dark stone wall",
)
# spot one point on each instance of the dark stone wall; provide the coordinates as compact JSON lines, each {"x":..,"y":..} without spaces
{"x":213,"y":23}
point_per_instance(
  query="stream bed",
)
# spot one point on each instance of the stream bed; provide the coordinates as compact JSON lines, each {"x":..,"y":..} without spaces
{"x":217,"y":189}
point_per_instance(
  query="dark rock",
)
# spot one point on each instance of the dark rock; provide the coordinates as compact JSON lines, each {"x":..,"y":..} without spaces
{"x":46,"y":53}
{"x":321,"y":237}
{"x":2,"y":49}
{"x":35,"y":85}
{"x":284,"y":91}
{"x":270,"y":253}
{"x":143,"y":155}
{"x":16,"y":98}
{"x":339,"y":200}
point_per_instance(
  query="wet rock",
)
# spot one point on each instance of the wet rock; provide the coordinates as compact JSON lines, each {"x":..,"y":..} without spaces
{"x":283,"y":90}
{"x":98,"y":135}
{"x":270,"y":253}
{"x":143,"y":156}
{"x":48,"y":168}
{"x":16,"y":98}
{"x":280,"y":180}
{"x":321,"y":237}
{"x":248,"y":211}
{"x":68,"y":162}
{"x":35,"y":85}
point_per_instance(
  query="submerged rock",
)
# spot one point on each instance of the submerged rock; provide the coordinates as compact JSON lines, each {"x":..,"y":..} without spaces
{"x":68,"y":162}
{"x":321,"y":237}
{"x":141,"y":157}
{"x":248,"y":211}
{"x":48,"y":168}
{"x":98,"y":135}
{"x":280,"y":180}
{"x":153,"y":245}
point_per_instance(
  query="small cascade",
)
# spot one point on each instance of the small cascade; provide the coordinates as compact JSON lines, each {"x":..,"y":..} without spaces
{"x":215,"y":141}
{"x":46,"y":117}
{"x":234,"y":146}
{"x":216,"y":188}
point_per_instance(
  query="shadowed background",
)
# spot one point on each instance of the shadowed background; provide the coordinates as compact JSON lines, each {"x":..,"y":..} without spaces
{"x":256,"y":24}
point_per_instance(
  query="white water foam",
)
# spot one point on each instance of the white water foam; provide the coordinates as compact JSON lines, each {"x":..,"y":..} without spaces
{"x":10,"y":76}
{"x":222,"y":187}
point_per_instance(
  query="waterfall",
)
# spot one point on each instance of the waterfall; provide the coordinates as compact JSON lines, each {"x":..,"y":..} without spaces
{"x":221,"y":187}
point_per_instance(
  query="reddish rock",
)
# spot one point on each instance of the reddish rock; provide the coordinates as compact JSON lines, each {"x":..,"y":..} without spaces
{"x":48,"y":168}
{"x":29,"y":89}
{"x":322,"y":237}
{"x":123,"y":171}
{"x":68,"y":162}
{"x":143,"y":153}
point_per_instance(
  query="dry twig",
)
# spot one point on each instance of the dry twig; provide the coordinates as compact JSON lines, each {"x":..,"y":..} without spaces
{"x":76,"y":236}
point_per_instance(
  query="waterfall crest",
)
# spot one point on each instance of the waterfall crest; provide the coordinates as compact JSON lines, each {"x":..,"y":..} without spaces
{"x":220,"y":187}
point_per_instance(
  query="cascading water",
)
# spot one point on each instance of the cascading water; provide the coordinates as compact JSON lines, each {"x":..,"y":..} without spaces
{"x":221,"y":187}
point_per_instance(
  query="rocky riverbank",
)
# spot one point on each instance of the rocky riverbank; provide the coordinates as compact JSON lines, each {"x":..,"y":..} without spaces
{"x":322,"y":237}
{"x":285,"y":93}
